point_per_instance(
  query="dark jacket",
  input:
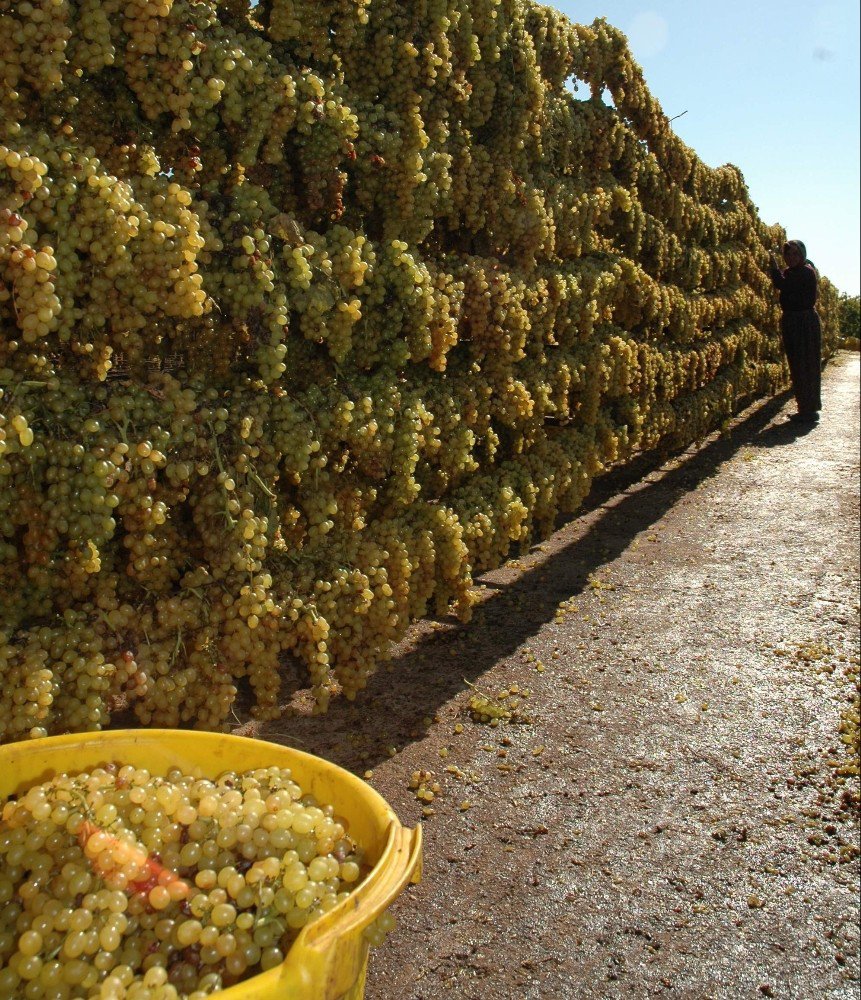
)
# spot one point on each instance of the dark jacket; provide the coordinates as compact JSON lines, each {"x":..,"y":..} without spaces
{"x":797,"y":286}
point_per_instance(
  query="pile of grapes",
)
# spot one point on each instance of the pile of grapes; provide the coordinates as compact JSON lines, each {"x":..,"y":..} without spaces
{"x":118,"y":884}
{"x":309,"y":310}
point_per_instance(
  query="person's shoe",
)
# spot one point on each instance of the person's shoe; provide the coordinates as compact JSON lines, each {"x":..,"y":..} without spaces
{"x":805,"y":418}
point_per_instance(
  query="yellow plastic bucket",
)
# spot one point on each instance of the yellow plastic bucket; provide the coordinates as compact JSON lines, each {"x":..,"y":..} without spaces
{"x":329,"y":959}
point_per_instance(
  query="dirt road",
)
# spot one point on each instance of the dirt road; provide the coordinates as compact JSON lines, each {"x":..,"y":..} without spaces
{"x":665,"y":815}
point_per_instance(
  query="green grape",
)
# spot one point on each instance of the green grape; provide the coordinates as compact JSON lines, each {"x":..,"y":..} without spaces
{"x":132,"y":885}
{"x":311,"y":311}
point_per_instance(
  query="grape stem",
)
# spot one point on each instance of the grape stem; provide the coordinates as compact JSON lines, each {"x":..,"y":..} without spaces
{"x":253,"y":474}
{"x":227,"y":515}
{"x":300,"y":404}
{"x":104,"y":618}
{"x":179,"y":643}
{"x":124,"y":429}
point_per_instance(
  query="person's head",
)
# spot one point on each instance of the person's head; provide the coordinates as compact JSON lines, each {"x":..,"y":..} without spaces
{"x":794,"y":253}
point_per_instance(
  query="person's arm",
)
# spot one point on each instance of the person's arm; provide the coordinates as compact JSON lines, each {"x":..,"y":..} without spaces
{"x":777,"y":276}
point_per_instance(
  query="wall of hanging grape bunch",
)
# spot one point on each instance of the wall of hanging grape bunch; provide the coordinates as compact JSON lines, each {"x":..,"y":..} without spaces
{"x":309,"y":311}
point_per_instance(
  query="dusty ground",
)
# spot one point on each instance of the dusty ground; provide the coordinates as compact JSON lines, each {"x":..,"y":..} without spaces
{"x":667,"y":820}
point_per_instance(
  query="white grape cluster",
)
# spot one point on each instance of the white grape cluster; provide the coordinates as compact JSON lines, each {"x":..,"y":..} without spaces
{"x":117,"y":883}
{"x":310,"y":311}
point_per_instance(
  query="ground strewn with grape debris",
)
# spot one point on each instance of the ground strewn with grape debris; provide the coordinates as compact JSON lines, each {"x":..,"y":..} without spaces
{"x":674,"y":811}
{"x":309,"y":311}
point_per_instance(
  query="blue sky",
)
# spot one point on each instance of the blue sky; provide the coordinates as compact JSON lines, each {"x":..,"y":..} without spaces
{"x":771,"y":87}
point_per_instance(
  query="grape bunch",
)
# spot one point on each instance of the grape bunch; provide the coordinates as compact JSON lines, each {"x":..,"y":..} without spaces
{"x":117,"y":883}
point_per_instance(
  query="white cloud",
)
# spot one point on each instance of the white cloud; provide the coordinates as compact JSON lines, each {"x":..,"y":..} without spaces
{"x":648,"y":34}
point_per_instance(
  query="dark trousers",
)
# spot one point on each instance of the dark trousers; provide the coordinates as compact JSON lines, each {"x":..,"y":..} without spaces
{"x":802,"y":341}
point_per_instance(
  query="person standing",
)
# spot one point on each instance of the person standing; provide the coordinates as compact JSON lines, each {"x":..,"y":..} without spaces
{"x":800,"y":328}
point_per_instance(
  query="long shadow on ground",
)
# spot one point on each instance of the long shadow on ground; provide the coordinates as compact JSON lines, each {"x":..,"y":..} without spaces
{"x":433,"y":667}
